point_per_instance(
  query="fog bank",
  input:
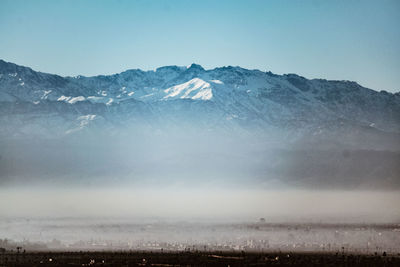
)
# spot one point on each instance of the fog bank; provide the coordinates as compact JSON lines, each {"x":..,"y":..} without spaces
{"x":203,"y":203}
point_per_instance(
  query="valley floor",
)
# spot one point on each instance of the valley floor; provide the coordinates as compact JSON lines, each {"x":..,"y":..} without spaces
{"x":194,"y":258}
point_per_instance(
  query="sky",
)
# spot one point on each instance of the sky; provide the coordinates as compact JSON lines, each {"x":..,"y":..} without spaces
{"x":342,"y":40}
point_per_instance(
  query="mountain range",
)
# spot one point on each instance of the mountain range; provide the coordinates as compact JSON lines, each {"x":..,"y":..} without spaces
{"x":188,"y":124}
{"x":230,"y":99}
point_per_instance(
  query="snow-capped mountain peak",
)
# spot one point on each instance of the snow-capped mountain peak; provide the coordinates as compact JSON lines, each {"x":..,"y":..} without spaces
{"x":194,"y":89}
{"x":232,"y":98}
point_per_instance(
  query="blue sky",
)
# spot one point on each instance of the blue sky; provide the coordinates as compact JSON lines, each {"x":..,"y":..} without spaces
{"x":345,"y":40}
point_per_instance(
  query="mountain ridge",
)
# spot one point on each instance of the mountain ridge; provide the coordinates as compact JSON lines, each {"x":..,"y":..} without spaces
{"x":231,"y":98}
{"x":177,"y":67}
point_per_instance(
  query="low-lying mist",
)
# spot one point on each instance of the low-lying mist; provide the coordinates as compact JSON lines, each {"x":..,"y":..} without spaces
{"x":190,"y":158}
{"x":181,"y":189}
{"x":185,"y":173}
{"x":206,"y":203}
{"x":202,"y":218}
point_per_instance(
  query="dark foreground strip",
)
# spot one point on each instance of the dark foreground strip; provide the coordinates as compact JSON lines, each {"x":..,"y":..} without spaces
{"x":193,"y":259}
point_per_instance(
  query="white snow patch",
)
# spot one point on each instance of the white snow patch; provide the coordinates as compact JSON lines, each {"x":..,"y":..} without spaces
{"x":203,"y":95}
{"x":147,"y":95}
{"x":131,"y":93}
{"x":110,"y":102}
{"x":22,"y":84}
{"x":36,"y":102}
{"x":94,"y":97}
{"x":64,"y":98}
{"x":46,"y":94}
{"x":88,"y":117}
{"x":83,"y":121}
{"x":76,"y":99}
{"x":217,"y":81}
{"x":97,"y":99}
{"x":194,"y":89}
{"x":104,"y":93}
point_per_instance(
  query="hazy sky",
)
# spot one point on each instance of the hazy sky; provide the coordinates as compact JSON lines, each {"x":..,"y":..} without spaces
{"x":346,"y":40}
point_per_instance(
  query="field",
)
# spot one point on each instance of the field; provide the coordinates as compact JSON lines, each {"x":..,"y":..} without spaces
{"x":79,"y":242}
{"x":194,"y":258}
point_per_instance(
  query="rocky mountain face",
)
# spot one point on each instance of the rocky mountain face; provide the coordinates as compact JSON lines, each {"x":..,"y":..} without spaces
{"x":230,"y":98}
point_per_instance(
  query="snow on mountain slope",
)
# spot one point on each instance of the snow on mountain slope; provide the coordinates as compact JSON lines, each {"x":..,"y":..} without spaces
{"x":193,"y":89}
{"x":230,"y":98}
